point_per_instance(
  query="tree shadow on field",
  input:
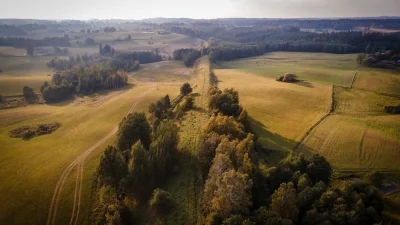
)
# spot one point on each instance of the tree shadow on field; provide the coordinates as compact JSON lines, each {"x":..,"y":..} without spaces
{"x":304,"y":83}
{"x":274,"y":146}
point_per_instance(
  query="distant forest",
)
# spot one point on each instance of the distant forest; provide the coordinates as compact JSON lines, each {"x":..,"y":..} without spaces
{"x":247,"y":38}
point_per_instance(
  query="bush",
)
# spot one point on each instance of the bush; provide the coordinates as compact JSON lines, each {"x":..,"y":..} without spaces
{"x":28,"y":132}
{"x":186,"y":89}
{"x":161,"y":202}
{"x":393,"y":109}
{"x":28,"y":92}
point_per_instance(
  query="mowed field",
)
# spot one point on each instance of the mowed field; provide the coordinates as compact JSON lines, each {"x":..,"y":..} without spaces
{"x":317,"y":67}
{"x":360,"y":134}
{"x":30,"y":169}
{"x":281,"y":113}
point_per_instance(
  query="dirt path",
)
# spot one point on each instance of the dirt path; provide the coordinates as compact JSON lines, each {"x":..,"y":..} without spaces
{"x":78,"y":164}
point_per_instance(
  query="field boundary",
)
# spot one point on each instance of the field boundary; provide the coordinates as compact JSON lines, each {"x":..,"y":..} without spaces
{"x":354,"y":77}
{"x":332,"y":107}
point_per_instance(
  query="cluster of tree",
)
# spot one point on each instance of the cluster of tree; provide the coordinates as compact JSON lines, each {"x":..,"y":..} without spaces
{"x":109,"y":29}
{"x":107,"y":50}
{"x":225,"y":102}
{"x":139,"y":163}
{"x":143,"y":57}
{"x":81,"y":79}
{"x":384,"y":59}
{"x":90,"y":41}
{"x":28,"y":92}
{"x":188,"y":55}
{"x":65,"y":64}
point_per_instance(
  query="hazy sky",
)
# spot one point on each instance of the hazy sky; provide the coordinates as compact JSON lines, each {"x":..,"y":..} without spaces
{"x":139,"y":9}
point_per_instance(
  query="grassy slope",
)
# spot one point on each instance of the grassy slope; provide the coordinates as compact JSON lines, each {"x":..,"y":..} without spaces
{"x":30,"y":169}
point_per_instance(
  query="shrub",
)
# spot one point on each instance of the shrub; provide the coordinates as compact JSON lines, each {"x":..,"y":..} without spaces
{"x":28,"y":92}
{"x":186,"y":89}
{"x":393,"y":109}
{"x":28,"y":132}
{"x":161,"y":202}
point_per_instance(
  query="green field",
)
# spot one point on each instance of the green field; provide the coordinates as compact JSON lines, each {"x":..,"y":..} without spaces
{"x":40,"y":161}
{"x":318,"y":67}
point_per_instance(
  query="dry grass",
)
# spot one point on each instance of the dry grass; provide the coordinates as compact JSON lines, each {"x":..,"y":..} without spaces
{"x":31,"y":169}
{"x":281,"y":112}
{"x":317,"y":67}
{"x":378,"y":80}
{"x":360,"y":103}
{"x":350,"y":142}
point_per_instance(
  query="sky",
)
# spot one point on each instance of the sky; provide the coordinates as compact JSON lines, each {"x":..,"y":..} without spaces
{"x":203,"y":9}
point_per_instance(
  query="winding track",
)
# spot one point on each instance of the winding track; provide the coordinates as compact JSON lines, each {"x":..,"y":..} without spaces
{"x":78,"y":164}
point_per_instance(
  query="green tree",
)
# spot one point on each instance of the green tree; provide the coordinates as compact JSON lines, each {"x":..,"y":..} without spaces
{"x":161,"y":202}
{"x":319,"y":169}
{"x":133,"y":128}
{"x":28,"y":92}
{"x":233,"y":195}
{"x":284,"y":201}
{"x":186,"y":89}
{"x":44,"y":85}
{"x":112,"y":167}
{"x":374,"y":178}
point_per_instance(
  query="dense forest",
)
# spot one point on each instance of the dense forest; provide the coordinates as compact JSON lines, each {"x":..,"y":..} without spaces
{"x":227,"y":43}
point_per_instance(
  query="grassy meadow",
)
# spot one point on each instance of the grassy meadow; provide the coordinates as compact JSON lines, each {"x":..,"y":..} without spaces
{"x":30,"y":169}
{"x":318,"y":67}
{"x":280,"y":112}
{"x":360,"y":134}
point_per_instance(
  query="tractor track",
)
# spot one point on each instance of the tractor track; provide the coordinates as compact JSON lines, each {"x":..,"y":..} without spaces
{"x":78,"y":163}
